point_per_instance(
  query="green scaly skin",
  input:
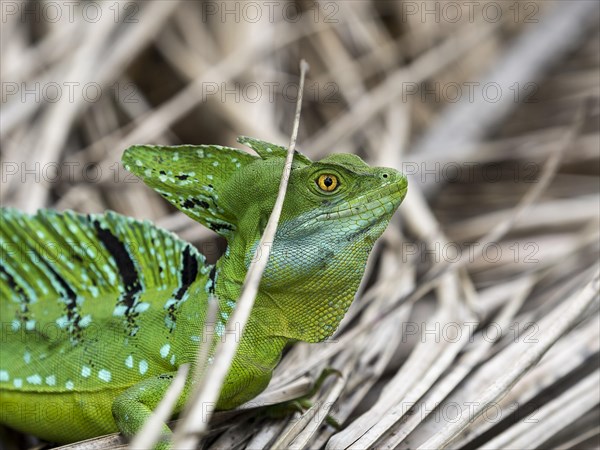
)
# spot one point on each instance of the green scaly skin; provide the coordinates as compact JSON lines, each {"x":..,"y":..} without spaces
{"x":99,"y":311}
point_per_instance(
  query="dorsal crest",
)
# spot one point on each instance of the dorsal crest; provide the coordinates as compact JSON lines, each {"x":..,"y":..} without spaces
{"x":267,"y":150}
{"x":191,"y":177}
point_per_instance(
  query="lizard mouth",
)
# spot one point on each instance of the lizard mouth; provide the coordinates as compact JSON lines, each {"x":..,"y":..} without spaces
{"x":371,"y":206}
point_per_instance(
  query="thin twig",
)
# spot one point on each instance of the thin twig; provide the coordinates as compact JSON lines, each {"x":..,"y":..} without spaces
{"x":196,"y":422}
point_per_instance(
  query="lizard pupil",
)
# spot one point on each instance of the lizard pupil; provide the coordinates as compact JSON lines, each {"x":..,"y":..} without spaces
{"x":327,"y":182}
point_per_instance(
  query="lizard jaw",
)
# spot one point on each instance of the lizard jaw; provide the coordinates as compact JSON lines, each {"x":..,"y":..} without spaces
{"x":371,"y":206}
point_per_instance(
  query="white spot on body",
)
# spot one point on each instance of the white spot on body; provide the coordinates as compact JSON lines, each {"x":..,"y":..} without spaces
{"x":51,"y":380}
{"x":119,"y":310}
{"x":172,"y":359}
{"x":112,"y":277}
{"x":129,"y":361}
{"x":143,"y":366}
{"x":85,"y":321}
{"x":169,"y":302}
{"x":219,"y":329}
{"x":27,"y":357}
{"x":18,"y":383}
{"x":34,"y":379}
{"x":4,"y":375}
{"x":69,"y":385}
{"x":164,"y":350}
{"x":30,"y":325}
{"x":86,"y":371}
{"x":169,"y":323}
{"x":104,"y":375}
{"x":141,"y":307}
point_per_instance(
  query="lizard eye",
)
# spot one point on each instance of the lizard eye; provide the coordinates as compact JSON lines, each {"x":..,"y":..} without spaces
{"x":327,"y":182}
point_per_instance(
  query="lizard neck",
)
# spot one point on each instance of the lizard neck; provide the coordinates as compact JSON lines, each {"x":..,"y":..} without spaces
{"x":306,"y":289}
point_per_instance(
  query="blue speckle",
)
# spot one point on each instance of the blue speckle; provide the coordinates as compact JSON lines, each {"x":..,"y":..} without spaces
{"x":165,"y":349}
{"x":104,"y":375}
{"x":85,"y":321}
{"x":34,"y":379}
{"x":141,"y":307}
{"x":119,"y":310}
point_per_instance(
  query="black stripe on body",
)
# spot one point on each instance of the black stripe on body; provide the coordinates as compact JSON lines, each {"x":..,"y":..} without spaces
{"x":211,"y":276}
{"x":22,"y":314}
{"x":70,"y":298}
{"x":12,"y":284}
{"x":189,"y":272}
{"x":125,"y":265}
{"x":69,"y":293}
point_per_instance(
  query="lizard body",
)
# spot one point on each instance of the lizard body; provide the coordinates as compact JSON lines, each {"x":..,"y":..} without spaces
{"x":99,"y":311}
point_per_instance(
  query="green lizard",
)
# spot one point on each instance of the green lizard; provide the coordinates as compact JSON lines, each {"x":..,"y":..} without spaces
{"x":99,"y":311}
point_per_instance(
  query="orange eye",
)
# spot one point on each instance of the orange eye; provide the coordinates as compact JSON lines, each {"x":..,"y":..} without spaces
{"x":327,"y":182}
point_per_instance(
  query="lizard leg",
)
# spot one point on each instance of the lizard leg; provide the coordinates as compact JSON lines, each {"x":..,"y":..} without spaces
{"x":133,"y":407}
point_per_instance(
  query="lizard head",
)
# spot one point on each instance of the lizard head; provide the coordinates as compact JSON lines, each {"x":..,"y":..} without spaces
{"x":334,"y":211}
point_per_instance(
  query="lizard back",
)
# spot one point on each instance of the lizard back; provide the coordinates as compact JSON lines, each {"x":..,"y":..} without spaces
{"x":91,"y":305}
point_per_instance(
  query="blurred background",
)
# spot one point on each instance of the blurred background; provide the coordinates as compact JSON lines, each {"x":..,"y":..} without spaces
{"x":490,"y":107}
